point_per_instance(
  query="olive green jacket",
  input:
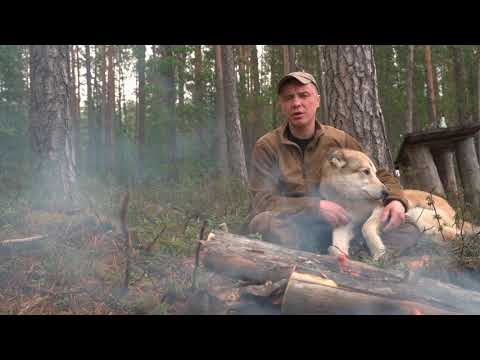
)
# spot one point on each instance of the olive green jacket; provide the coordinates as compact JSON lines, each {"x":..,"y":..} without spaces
{"x":284,"y":181}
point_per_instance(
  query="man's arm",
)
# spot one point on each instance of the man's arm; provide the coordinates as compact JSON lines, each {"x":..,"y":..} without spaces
{"x":263,"y":186}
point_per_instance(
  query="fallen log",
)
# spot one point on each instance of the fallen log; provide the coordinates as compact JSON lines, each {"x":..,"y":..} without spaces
{"x":27,"y":243}
{"x":308,"y":294}
{"x":258,"y":262}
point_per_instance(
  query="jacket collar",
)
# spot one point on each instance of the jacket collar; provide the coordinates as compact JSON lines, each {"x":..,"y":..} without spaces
{"x":319,"y":130}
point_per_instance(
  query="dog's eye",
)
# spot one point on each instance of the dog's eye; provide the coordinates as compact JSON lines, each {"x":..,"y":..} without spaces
{"x":366,"y":171}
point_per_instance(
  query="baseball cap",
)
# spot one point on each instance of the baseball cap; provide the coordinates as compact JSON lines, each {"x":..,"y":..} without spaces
{"x":302,"y":76}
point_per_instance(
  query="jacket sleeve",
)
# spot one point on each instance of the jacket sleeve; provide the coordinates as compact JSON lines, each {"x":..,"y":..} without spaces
{"x":394,"y":187}
{"x":264,"y":190}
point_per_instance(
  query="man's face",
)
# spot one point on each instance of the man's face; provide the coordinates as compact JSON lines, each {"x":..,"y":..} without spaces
{"x":299,"y":103}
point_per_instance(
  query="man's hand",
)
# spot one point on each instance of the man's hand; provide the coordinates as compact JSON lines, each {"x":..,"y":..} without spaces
{"x":333,"y":213}
{"x":394,"y":213}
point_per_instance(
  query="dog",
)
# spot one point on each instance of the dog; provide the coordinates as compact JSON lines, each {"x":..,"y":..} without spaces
{"x":349,"y":179}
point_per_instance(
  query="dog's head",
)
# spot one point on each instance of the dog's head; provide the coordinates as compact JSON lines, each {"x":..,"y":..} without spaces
{"x":352,"y":174}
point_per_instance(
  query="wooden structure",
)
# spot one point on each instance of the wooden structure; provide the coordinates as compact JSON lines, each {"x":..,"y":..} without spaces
{"x":426,"y":161}
{"x":299,"y":282}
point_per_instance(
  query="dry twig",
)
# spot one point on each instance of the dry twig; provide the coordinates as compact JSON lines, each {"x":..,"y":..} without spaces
{"x":197,"y":256}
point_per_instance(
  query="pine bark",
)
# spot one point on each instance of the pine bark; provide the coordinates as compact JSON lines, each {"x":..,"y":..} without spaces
{"x":432,"y":102}
{"x":73,"y":106}
{"x":477,"y":137}
{"x":469,"y":171}
{"x":199,"y":103}
{"x":119,"y":86}
{"x":232,"y":118}
{"x":92,"y":133}
{"x":466,"y":150}
{"x":425,"y":176}
{"x":444,"y":159}
{"x":352,"y":98}
{"x":259,"y":125}
{"x":409,"y":89}
{"x":286,"y":59}
{"x":292,"y":58}
{"x":182,"y":58}
{"x":321,"y":83}
{"x":50,"y":125}
{"x":103,"y":107}
{"x":276,"y":72}
{"x":110,"y":113}
{"x":220,"y":132}
{"x":141,"y":107}
{"x":460,"y":88}
{"x":168,"y":75}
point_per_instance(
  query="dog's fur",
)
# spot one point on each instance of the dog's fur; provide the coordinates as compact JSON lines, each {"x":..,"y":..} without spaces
{"x":349,"y":179}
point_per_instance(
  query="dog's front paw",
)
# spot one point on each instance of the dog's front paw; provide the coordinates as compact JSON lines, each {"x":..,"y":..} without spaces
{"x":379,"y":253}
{"x":335,"y":251}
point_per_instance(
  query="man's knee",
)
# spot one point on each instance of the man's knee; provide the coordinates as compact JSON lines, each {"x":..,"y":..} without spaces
{"x":274,"y":228}
{"x":294,"y":231}
{"x":260,"y":223}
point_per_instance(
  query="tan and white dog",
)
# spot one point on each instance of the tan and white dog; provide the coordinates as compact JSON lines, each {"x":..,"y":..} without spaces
{"x":349,"y":178}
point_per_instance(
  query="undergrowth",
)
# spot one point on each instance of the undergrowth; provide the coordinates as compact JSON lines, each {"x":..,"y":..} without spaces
{"x":79,"y":268}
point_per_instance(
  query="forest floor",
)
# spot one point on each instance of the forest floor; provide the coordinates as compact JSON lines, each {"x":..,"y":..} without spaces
{"x":79,"y":267}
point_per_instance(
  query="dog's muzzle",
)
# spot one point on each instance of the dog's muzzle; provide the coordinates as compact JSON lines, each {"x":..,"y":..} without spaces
{"x":385,"y":194}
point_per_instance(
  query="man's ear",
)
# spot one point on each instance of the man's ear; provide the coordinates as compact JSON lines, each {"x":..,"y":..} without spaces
{"x":337,"y":158}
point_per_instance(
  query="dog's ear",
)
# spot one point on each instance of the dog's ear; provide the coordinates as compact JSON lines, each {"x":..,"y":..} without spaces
{"x":337,"y":158}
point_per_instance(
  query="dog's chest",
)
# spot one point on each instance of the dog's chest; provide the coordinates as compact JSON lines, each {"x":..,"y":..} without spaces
{"x":359,"y":211}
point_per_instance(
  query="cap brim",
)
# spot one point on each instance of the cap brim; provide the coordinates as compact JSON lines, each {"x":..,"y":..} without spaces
{"x":300,"y":79}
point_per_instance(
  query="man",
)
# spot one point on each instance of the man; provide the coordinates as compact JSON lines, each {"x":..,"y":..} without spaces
{"x":285,"y":176}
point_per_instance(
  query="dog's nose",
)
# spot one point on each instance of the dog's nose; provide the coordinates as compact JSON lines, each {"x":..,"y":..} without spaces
{"x":384,"y":193}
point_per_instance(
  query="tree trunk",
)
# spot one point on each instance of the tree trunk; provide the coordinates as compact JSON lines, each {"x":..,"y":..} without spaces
{"x":409,"y":89}
{"x":120,"y":85}
{"x":232,"y":118}
{"x":141,"y":108}
{"x":460,"y":89}
{"x":321,"y":83}
{"x":242,"y":94}
{"x":444,"y":160}
{"x":110,"y":113}
{"x":169,"y":101}
{"x":92,"y":131}
{"x":50,"y":125}
{"x":276,"y":71}
{"x":477,"y":137}
{"x":292,"y":58}
{"x":103,"y":107}
{"x":286,"y":59}
{"x":426,"y":176}
{"x":469,"y":171}
{"x":199,"y":104}
{"x":257,"y":262}
{"x":220,"y":134}
{"x":73,"y":107}
{"x":259,"y":125}
{"x":352,"y":97}
{"x":182,"y":59}
{"x":432,"y":103}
